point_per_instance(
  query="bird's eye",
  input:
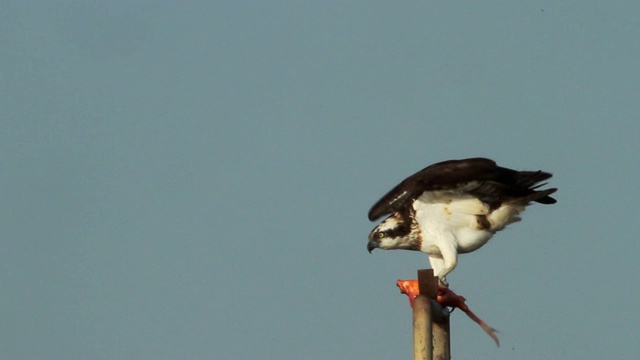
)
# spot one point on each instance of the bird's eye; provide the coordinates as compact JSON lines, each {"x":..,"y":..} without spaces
{"x":381,"y":234}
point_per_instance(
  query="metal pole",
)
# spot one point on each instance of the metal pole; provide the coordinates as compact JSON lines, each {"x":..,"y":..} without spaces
{"x":441,"y":339}
{"x":431,"y":333}
{"x":422,"y":330}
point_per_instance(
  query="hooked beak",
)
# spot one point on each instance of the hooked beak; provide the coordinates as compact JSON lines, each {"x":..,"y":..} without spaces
{"x":371,"y":246}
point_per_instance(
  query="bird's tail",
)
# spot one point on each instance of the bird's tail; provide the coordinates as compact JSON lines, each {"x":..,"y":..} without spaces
{"x":528,"y":179}
{"x":541,"y":196}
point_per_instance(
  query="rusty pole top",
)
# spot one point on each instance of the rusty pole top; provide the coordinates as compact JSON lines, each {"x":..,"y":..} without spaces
{"x":428,"y":283}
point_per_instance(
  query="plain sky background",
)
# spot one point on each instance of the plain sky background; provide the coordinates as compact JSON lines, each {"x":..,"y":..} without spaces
{"x":190,"y":180}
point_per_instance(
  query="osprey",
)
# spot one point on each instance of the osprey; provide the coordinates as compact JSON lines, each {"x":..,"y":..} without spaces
{"x":454,"y":207}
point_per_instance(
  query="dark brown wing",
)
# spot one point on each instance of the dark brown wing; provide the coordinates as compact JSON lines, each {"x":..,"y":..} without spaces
{"x":492,"y":184}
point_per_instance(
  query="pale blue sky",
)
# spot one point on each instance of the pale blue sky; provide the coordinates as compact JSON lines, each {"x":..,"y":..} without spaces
{"x":191,"y":180}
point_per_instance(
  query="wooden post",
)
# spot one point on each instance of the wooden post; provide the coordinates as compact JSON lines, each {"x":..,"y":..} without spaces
{"x":430,"y":321}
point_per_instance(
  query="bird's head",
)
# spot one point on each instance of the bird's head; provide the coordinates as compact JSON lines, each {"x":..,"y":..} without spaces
{"x":395,"y":232}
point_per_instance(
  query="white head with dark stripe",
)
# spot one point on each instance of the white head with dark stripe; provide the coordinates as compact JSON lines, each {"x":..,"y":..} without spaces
{"x":398,"y":231}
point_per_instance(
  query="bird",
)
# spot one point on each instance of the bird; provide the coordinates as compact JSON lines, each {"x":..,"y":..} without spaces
{"x":454,"y":207}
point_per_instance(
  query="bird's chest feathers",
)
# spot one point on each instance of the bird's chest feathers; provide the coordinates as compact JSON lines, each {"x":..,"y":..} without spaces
{"x":451,"y":220}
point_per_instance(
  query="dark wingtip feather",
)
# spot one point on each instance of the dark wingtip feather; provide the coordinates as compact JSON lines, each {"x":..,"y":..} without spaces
{"x":373,"y":214}
{"x":390,"y":202}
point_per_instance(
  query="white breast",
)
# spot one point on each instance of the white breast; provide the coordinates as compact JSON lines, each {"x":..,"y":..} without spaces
{"x":456,"y":220}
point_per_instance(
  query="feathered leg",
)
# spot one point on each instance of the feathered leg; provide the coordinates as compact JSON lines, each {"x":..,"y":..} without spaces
{"x":445,"y":263}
